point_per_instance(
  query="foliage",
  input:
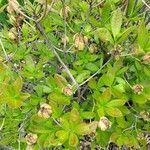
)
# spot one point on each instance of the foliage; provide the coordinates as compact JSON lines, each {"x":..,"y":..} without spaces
{"x":71,"y":69}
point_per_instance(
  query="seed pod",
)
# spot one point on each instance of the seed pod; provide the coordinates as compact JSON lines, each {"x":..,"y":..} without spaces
{"x":64,"y":12}
{"x":45,"y":111}
{"x":68,"y":91}
{"x":79,"y":41}
{"x":138,"y":89}
{"x":146,"y":59}
{"x":104,"y":123}
{"x":31,"y":138}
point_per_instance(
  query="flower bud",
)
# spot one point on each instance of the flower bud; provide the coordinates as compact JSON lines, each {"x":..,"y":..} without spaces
{"x":145,"y":115}
{"x":79,"y":41}
{"x":45,"y":111}
{"x":138,"y":89}
{"x":93,"y":48}
{"x":104,"y":124}
{"x":146,"y":59}
{"x":68,"y":91}
{"x":65,"y":39}
{"x":31,"y":138}
{"x":12,"y":34}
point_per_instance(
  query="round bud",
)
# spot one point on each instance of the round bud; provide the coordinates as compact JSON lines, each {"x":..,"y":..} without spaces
{"x":104,"y":123}
{"x":138,"y":89}
{"x":45,"y":111}
{"x":31,"y":138}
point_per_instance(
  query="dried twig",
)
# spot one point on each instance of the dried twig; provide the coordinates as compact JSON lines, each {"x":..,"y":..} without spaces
{"x":146,"y":4}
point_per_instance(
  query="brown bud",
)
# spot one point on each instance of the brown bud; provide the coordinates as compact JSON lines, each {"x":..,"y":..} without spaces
{"x":93,"y":48}
{"x":65,"y":39}
{"x":145,"y":115}
{"x":45,"y":111}
{"x":64,"y":12}
{"x":104,"y":123}
{"x":146,"y":59}
{"x":79,"y":41}
{"x":12,"y":34}
{"x":31,"y":138}
{"x":138,"y":89}
{"x":68,"y":91}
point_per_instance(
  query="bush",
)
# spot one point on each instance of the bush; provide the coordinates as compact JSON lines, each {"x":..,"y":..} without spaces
{"x":74,"y":69}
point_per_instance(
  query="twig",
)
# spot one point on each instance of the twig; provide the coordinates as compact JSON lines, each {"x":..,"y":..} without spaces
{"x":41,"y":30}
{"x":146,"y":4}
{"x":6,"y":56}
{"x":98,"y":71}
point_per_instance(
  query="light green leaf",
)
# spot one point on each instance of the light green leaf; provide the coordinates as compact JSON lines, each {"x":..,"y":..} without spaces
{"x":114,"y":112}
{"x":73,"y":140}
{"x":92,"y":67}
{"x":105,"y":35}
{"x":115,"y":103}
{"x":84,"y":75}
{"x":116,"y":22}
{"x":124,"y":35}
{"x":62,"y":135}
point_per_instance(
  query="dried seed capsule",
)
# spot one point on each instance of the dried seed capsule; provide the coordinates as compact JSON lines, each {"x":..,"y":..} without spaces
{"x":104,"y":123}
{"x":68,"y":91}
{"x":146,"y":58}
{"x":31,"y":138}
{"x":93,"y":48}
{"x":138,"y":89}
{"x":79,"y":41}
{"x":45,"y":111}
{"x":145,"y":115}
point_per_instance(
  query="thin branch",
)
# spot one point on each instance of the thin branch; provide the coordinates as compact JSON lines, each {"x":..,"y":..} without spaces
{"x":146,"y":4}
{"x":41,"y":30}
{"x":98,"y":71}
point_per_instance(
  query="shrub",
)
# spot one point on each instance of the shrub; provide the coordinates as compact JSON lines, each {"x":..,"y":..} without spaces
{"x":72,"y":69}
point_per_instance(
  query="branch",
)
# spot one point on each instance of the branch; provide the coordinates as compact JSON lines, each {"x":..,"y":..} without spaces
{"x":41,"y":30}
{"x":146,"y":4}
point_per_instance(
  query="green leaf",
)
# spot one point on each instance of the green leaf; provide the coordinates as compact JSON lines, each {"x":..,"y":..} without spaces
{"x":142,"y":35}
{"x":84,"y":75}
{"x":62,"y":135}
{"x":116,"y":103}
{"x":59,"y":98}
{"x":18,"y":84}
{"x":140,"y":99}
{"x":60,"y":80}
{"x":104,"y":35}
{"x":92,"y":67}
{"x":101,"y":111}
{"x":73,"y":140}
{"x":114,"y":112}
{"x":74,"y":116}
{"x":124,"y":35}
{"x":116,"y":22}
